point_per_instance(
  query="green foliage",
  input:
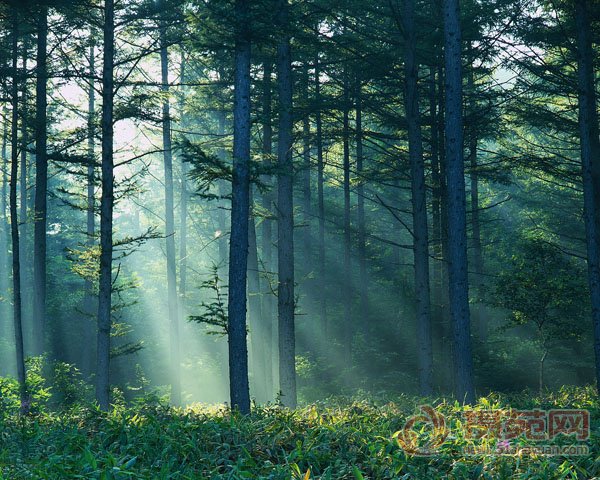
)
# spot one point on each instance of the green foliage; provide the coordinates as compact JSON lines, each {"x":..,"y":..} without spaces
{"x":543,"y":289}
{"x":57,"y":385}
{"x":144,"y":391}
{"x":327,"y":440}
{"x":214,"y":311}
{"x":68,"y":386}
{"x":206,"y":168}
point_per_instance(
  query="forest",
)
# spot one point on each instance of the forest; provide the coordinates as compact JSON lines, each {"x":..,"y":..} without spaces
{"x":299,"y":239}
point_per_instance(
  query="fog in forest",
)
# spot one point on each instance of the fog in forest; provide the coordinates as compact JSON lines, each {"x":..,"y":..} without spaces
{"x":369,"y":173}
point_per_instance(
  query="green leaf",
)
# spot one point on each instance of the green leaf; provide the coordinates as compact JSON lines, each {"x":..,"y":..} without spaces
{"x":357,"y":474}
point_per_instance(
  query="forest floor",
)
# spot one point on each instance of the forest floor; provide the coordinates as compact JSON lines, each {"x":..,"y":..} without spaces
{"x":329,"y":440}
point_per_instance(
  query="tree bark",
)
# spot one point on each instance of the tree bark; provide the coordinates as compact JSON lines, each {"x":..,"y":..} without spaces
{"x":285,"y":225}
{"x":268,"y":307}
{"x":183,"y":202}
{"x":306,"y":193}
{"x":106,"y":212}
{"x":444,"y":326}
{"x":14,"y":221}
{"x":91,"y":208}
{"x":590,"y":165}
{"x":238,"y":244}
{"x":320,"y":202}
{"x":41,"y":182}
{"x":222,"y":191}
{"x":172,"y":299}
{"x":257,"y":320}
{"x":436,"y":239}
{"x":457,"y":231}
{"x":478,"y":316}
{"x":419,"y":204}
{"x":348,"y":321}
{"x":4,"y":234}
{"x":24,"y":221}
{"x":362,"y":233}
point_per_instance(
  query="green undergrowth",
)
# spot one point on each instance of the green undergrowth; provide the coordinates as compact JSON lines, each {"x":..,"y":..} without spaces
{"x":335,"y":439}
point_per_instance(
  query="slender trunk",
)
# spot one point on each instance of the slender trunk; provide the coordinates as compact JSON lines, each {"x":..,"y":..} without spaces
{"x":363,"y":286}
{"x":24,"y":247}
{"x":419,"y":203}
{"x":90,"y":298}
{"x":443,"y":190}
{"x":306,"y":193}
{"x":4,"y":161}
{"x":14,"y":222}
{"x":183,"y":202}
{"x":320,"y":203}
{"x":106,"y":212}
{"x":348,"y":321}
{"x":457,"y":224}
{"x":183,"y":211}
{"x":396,"y":249}
{"x":4,"y":229}
{"x":268,"y":307}
{"x":478,"y":317}
{"x":590,"y":163}
{"x":435,"y":198}
{"x":444,"y":321}
{"x":541,"y":371}
{"x":439,"y":221}
{"x":285,"y":208}
{"x":24,"y":221}
{"x":221,"y":215}
{"x":41,"y":183}
{"x":169,"y":218}
{"x":238,"y":244}
{"x":258,"y":336}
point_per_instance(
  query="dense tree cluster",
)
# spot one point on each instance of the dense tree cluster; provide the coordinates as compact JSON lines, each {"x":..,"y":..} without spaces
{"x":396,"y":195}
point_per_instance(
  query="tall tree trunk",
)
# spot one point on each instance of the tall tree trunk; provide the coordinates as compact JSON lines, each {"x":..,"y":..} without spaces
{"x":172,"y":299}
{"x":285,"y":208}
{"x":183,"y":201}
{"x":269,"y":307}
{"x":106,"y":211}
{"x":457,"y":224}
{"x":41,"y":182}
{"x":444,"y":321}
{"x":90,"y":211}
{"x":435,"y":199}
{"x":348,"y":326}
{"x":222,"y":192}
{"x":590,"y":163}
{"x":14,"y":221}
{"x":419,"y":203}
{"x":363,"y":285}
{"x":258,"y":337}
{"x":4,"y":229}
{"x":184,"y":194}
{"x":443,"y":188}
{"x":238,"y":244}
{"x":478,"y":316}
{"x":24,"y":222}
{"x":320,"y":202}
{"x":306,"y":193}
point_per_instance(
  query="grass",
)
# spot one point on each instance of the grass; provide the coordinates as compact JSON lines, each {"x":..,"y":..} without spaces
{"x":331,"y":440}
